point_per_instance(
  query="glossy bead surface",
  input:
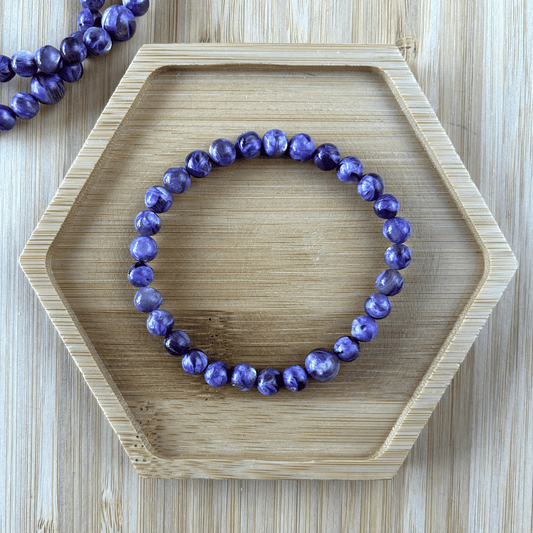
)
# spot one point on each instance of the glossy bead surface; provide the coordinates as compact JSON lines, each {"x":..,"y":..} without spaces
{"x":143,"y":248}
{"x":216,"y":374}
{"x":275,"y":143}
{"x":24,"y":105}
{"x":198,"y":164}
{"x":347,"y":348}
{"x":140,"y":274}
{"x":97,"y":41}
{"x":397,"y":230}
{"x":23,"y":63}
{"x":137,"y":7}
{"x":8,"y":119}
{"x":147,"y":299}
{"x":222,"y":152}
{"x":295,"y":378}
{"x":269,"y":381}
{"x":322,"y":365}
{"x":364,"y":328}
{"x":378,"y":306}
{"x":147,"y":223}
{"x":350,"y":170}
{"x":92,"y":4}
{"x":389,"y":282}
{"x":370,"y":187}
{"x":87,"y":18}
{"x":386,"y":206}
{"x":301,"y":147}
{"x":194,"y":362}
{"x":73,"y":50}
{"x":177,"y":343}
{"x":6,"y":72}
{"x":159,"y":322}
{"x":48,"y":59}
{"x":244,"y":377}
{"x":158,"y":199}
{"x":327,"y":156}
{"x":398,"y":256}
{"x":248,"y":145}
{"x":176,"y":180}
{"x":71,"y":72}
{"x":119,"y":22}
{"x":78,"y":35}
{"x":47,"y":88}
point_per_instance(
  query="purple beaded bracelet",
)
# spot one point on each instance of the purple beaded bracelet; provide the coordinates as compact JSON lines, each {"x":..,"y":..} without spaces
{"x":320,"y":364}
{"x":49,"y":68}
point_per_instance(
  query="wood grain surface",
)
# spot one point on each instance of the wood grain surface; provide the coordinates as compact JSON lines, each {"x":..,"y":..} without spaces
{"x":62,"y":467}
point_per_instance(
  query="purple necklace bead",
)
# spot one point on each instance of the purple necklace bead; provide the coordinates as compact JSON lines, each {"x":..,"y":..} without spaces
{"x":143,"y":248}
{"x":160,"y":322}
{"x":72,"y":50}
{"x":347,"y":348}
{"x":147,"y":223}
{"x":140,"y":274}
{"x":176,"y":180}
{"x":194,"y":362}
{"x":71,"y":73}
{"x":275,"y":143}
{"x":92,"y":4}
{"x":398,"y":256}
{"x":8,"y":119}
{"x":158,"y":199}
{"x":364,"y":328}
{"x":23,"y":63}
{"x":378,"y":306}
{"x":350,"y":170}
{"x":222,"y":152}
{"x":389,"y":282}
{"x":48,"y":59}
{"x":269,"y":382}
{"x":119,"y":22}
{"x":301,"y":147}
{"x":88,"y":18}
{"x":216,"y":374}
{"x":6,"y":72}
{"x":177,"y":342}
{"x":397,"y":230}
{"x":370,"y":187}
{"x":24,"y":105}
{"x":295,"y":378}
{"x":327,"y":157}
{"x":244,"y":377}
{"x":198,"y":164}
{"x":97,"y":41}
{"x":147,"y":299}
{"x":248,"y":145}
{"x":322,"y":365}
{"x":47,"y":88}
{"x":137,"y":7}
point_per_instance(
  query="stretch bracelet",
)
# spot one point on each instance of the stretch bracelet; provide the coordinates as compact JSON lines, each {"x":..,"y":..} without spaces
{"x":49,"y":68}
{"x":320,"y":364}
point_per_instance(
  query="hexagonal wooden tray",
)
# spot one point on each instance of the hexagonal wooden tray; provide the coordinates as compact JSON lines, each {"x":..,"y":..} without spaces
{"x":267,"y":259}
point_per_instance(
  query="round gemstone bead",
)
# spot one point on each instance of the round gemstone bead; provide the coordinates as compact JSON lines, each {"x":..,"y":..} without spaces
{"x":78,"y":35}
{"x":140,"y":274}
{"x":92,"y":4}
{"x":217,"y":374}
{"x":295,"y":378}
{"x":176,"y":180}
{"x":269,"y":381}
{"x":244,"y":377}
{"x":24,"y":105}
{"x":71,"y":72}
{"x":8,"y":119}
{"x":47,"y":88}
{"x":327,"y":156}
{"x":177,"y":343}
{"x":143,"y":248}
{"x":389,"y":282}
{"x":48,"y":59}
{"x":397,"y":230}
{"x":119,"y":22}
{"x":194,"y":362}
{"x":386,"y":206}
{"x":159,"y":322}
{"x":370,"y":187}
{"x":378,"y":306}
{"x":347,"y":349}
{"x":72,"y":50}
{"x":23,"y":63}
{"x":198,"y":164}
{"x":147,"y":299}
{"x":364,"y":328}
{"x":350,"y":169}
{"x":275,"y":143}
{"x":97,"y":41}
{"x":301,"y":147}
{"x":87,"y":18}
{"x":248,"y":145}
{"x":398,"y":256}
{"x":147,"y":223}
{"x":158,"y":199}
{"x":137,"y":7}
{"x":322,"y":365}
{"x":6,"y":72}
{"x":222,"y":152}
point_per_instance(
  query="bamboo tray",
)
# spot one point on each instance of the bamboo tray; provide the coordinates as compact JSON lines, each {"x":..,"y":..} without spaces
{"x":266,"y":260}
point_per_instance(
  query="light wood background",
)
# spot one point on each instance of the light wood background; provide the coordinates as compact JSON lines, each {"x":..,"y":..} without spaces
{"x":61,"y":466}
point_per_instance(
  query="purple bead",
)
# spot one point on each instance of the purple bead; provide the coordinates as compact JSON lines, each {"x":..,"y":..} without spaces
{"x":147,"y":299}
{"x":347,"y":349}
{"x":398,"y":256}
{"x":6,"y":72}
{"x":71,"y":72}
{"x":78,"y":35}
{"x":97,"y":41}
{"x":244,"y":377}
{"x":137,"y":7}
{"x":301,"y":147}
{"x":217,"y":374}
{"x":143,"y":248}
{"x":322,"y":365}
{"x":24,"y":105}
{"x":87,"y":18}
{"x":92,"y":4}
{"x":386,"y":206}
{"x":158,"y":199}
{"x":147,"y":223}
{"x":72,"y":50}
{"x":248,"y":145}
{"x":198,"y":164}
{"x":350,"y":170}
{"x":47,"y":88}
{"x":176,"y":180}
{"x":370,"y":187}
{"x":389,"y":282}
{"x":48,"y":59}
{"x":222,"y":152}
{"x":177,"y":343}
{"x":275,"y":143}
{"x":397,"y":230}
{"x":159,"y":322}
{"x":23,"y":63}
{"x":8,"y":119}
{"x":194,"y":363}
{"x":364,"y":328}
{"x":269,"y":382}
{"x":295,"y":378}
{"x":378,"y":306}
{"x":140,"y":275}
{"x":119,"y":22}
{"x":327,"y":156}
